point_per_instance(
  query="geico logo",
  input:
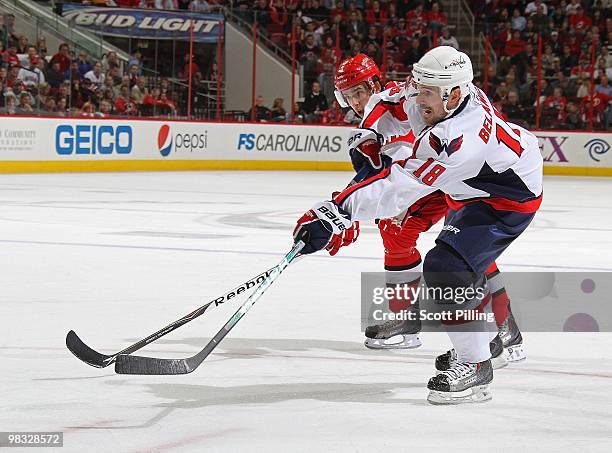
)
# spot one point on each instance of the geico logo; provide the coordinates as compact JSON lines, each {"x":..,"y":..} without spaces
{"x":86,"y":139}
{"x":191,"y":142}
{"x":290,"y":143}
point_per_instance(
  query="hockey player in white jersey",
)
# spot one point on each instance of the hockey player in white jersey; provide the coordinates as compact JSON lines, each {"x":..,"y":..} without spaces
{"x":491,"y":172}
{"x":380,"y":138}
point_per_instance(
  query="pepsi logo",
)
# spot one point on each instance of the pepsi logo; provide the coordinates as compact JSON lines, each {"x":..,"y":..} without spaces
{"x":164,"y":140}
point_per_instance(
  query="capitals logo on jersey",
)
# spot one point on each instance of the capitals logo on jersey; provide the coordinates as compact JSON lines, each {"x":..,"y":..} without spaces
{"x":442,"y":146}
{"x":164,"y":140}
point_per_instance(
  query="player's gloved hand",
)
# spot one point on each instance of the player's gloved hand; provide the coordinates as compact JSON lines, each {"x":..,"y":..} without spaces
{"x":361,"y":162}
{"x":317,"y":226}
{"x":347,"y":237}
{"x":364,"y":149}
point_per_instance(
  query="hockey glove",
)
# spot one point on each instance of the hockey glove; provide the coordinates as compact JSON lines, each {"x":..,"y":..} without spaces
{"x":364,"y":150}
{"x":347,"y":237}
{"x":317,"y":227}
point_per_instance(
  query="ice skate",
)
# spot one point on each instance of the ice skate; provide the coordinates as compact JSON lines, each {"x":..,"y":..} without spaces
{"x":512,"y":340}
{"x":461,"y":383}
{"x":498,"y":356}
{"x":396,"y":334}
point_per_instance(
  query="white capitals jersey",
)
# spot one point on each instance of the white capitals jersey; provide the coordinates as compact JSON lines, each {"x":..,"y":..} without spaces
{"x":472,"y":155}
{"x":385,"y":120}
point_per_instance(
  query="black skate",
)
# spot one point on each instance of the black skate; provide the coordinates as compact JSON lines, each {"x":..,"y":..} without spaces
{"x":498,"y":356}
{"x":512,"y":340}
{"x":461,"y":383}
{"x":397,"y":334}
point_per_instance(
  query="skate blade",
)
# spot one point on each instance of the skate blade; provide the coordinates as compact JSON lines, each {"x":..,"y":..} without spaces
{"x":395,"y":342}
{"x":477,"y":394}
{"x":515,"y":353}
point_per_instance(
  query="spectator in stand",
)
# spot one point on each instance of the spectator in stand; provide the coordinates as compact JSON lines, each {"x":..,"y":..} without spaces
{"x":555,"y":43}
{"x":605,"y":54}
{"x":568,"y":59}
{"x":515,"y":45}
{"x":414,"y":53}
{"x":416,"y":20}
{"x":63,"y":57}
{"x":572,"y":6}
{"x":11,"y":57}
{"x":110,"y":61}
{"x":532,"y":7}
{"x":553,"y":109}
{"x":10,"y":104}
{"x":315,"y":103}
{"x":135,"y":60}
{"x":88,"y":110}
{"x":310,"y":54}
{"x":602,"y":69}
{"x":513,"y":110}
{"x":573,"y":117}
{"x":518,"y":21}
{"x":24,"y":59}
{"x":447,"y":40}
{"x":73,"y":73}
{"x":190,"y":69}
{"x":262,"y":14}
{"x":125,"y":105}
{"x":61,"y":106}
{"x":43,"y":59}
{"x":105,"y":110}
{"x":25,"y":104}
{"x":83,"y":64}
{"x":579,"y":22}
{"x":373,"y":36}
{"x":133,"y":75}
{"x":604,"y":86}
{"x":278,"y":112}
{"x":49,"y":106}
{"x":96,"y":76}
{"x":436,"y":18}
{"x":31,"y":76}
{"x":376,"y":15}
{"x":355,"y":28}
{"x":261,"y":114}
{"x":139,"y":91}
{"x":22,"y":44}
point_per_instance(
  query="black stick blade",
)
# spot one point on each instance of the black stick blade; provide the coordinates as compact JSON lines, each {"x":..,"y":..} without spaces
{"x":133,"y":364}
{"x":85,"y":353}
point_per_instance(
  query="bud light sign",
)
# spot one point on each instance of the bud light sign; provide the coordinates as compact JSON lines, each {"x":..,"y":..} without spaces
{"x":91,"y":139}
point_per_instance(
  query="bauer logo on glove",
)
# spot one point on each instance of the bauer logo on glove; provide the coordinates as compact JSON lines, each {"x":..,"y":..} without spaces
{"x":318,"y":226}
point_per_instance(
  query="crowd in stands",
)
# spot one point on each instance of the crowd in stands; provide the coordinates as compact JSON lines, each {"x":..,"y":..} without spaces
{"x":71,"y":83}
{"x":572,"y":31}
{"x":570,"y":34}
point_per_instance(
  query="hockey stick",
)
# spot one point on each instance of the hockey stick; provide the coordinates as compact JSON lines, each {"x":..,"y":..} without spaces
{"x":99,"y":360}
{"x":130,"y":364}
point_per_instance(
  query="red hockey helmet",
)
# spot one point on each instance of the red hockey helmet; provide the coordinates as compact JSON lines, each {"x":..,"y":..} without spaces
{"x":354,"y":71}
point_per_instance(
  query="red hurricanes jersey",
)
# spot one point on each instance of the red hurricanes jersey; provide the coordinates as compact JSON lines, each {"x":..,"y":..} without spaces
{"x":385,"y":114}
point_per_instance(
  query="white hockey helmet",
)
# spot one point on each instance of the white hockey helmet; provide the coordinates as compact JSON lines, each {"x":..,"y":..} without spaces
{"x":444,"y":67}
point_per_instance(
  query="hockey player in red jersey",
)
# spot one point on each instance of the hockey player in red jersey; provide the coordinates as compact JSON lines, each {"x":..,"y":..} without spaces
{"x":491,"y":174}
{"x":380,"y":137}
{"x":385,"y":135}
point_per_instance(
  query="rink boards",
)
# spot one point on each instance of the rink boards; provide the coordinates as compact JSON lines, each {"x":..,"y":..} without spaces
{"x":52,"y":144}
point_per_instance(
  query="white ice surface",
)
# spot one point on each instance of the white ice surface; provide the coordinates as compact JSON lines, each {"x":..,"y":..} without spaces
{"x":117,"y":256}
